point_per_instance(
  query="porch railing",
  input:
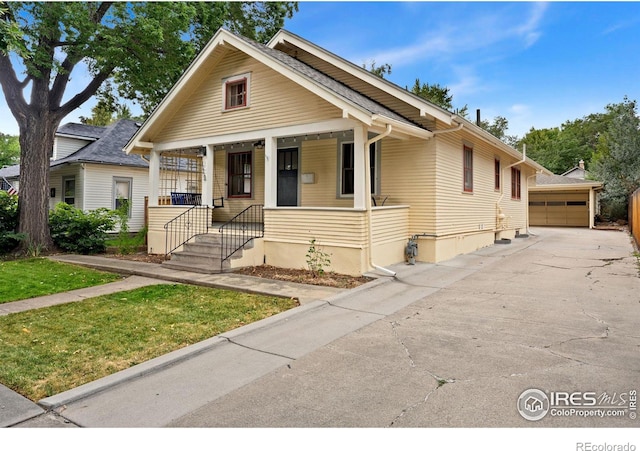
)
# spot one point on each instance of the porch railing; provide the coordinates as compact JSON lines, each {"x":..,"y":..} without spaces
{"x":238,"y":231}
{"x":182,"y":228}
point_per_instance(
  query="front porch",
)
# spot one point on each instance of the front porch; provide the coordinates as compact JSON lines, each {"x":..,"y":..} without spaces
{"x":313,"y":185}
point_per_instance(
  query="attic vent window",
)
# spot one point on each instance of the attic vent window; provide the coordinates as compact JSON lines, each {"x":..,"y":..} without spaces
{"x":235,"y":92}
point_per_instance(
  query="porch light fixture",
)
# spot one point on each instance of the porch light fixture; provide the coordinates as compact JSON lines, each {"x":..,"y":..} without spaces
{"x":258,"y":145}
{"x":202,"y":152}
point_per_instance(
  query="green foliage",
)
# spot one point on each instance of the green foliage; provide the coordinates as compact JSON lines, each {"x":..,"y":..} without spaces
{"x":9,"y":239}
{"x":9,"y":150}
{"x":126,"y":243}
{"x":317,"y":259}
{"x":379,"y":71}
{"x":498,"y":128}
{"x":561,"y":148}
{"x":439,"y":95}
{"x":77,"y":231}
{"x":617,"y":159}
{"x":108,"y":110}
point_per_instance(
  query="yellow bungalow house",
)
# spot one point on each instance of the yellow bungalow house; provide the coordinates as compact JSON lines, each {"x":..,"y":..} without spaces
{"x":294,"y":144}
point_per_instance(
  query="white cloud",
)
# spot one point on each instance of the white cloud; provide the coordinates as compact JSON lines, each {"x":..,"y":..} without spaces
{"x":489,"y":31}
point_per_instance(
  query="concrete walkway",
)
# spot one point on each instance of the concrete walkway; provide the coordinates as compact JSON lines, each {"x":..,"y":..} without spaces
{"x":452,"y":344}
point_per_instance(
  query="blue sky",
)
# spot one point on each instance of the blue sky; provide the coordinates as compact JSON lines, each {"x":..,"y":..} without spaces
{"x":537,"y":64}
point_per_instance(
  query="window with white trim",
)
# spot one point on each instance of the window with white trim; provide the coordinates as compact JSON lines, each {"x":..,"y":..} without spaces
{"x":515,"y":183}
{"x":69,"y":190}
{"x":468,"y":169}
{"x":347,"y":168}
{"x":240,"y":173}
{"x":122,"y":187}
{"x":236,"y":92}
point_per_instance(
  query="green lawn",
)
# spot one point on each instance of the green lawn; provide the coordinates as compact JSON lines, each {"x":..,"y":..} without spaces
{"x":50,"y":350}
{"x":24,"y":279}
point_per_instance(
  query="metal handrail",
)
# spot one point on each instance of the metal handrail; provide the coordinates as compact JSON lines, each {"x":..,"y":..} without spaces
{"x":239,"y":230}
{"x":185,"y":226}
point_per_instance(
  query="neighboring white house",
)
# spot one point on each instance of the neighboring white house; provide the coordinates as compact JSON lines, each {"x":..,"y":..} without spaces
{"x":89,"y":170}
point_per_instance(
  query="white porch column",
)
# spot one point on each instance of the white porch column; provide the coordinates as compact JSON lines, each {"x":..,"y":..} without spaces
{"x":207,"y":176}
{"x":154,"y":178}
{"x":359,"y":185}
{"x":270,"y":172}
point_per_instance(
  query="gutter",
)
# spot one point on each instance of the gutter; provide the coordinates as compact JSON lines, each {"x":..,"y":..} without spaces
{"x":367,"y":163}
{"x":449,"y":130}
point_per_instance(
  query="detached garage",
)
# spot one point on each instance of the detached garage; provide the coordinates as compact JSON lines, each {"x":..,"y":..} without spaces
{"x":557,"y":200}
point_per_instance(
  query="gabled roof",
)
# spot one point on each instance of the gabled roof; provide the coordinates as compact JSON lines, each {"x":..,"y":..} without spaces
{"x":108,"y":148}
{"x":10,"y":171}
{"x":555,"y":181}
{"x":81,"y":131}
{"x":292,"y":43}
{"x":350,"y":101}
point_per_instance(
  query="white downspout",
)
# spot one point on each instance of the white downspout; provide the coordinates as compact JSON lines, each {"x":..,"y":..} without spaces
{"x":367,"y":178}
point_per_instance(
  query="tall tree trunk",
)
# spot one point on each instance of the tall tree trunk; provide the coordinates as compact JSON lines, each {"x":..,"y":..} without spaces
{"x":36,"y":141}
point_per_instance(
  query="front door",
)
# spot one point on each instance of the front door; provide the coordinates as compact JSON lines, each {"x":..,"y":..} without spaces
{"x":288,"y":177}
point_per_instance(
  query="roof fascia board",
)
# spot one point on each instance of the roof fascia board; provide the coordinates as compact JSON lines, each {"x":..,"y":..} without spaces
{"x":216,"y":40}
{"x":488,"y":137}
{"x":568,"y":187}
{"x":224,"y":37}
{"x":292,"y":130}
{"x":402,"y":127}
{"x":424,"y":108}
{"x":78,"y":137}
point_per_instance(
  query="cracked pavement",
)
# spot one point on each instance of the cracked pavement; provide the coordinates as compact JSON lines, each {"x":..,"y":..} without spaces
{"x":561,"y":314}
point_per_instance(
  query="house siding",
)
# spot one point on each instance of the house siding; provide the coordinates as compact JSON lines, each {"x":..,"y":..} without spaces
{"x":233,"y":206}
{"x":462,"y":212}
{"x":407,"y":173}
{"x":320,"y":157}
{"x":99,"y":190}
{"x":274,"y":101}
{"x":56,"y":178}
{"x":63,"y":147}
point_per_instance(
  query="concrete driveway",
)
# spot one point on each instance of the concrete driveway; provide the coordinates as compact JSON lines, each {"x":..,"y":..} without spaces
{"x":550,"y":323}
{"x":561,"y":314}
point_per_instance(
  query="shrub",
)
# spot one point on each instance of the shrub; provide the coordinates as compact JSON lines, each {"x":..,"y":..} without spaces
{"x":77,"y":231}
{"x":317,"y":259}
{"x":9,"y":239}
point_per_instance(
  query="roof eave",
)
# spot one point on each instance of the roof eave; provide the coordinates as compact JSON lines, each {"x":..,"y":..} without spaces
{"x":425,"y":108}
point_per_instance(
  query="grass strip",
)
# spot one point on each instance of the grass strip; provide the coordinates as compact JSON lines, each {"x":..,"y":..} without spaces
{"x":30,"y":278}
{"x":51,"y":350}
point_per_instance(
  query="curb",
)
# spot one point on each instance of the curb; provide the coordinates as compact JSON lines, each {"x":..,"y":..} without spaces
{"x":166,"y":360}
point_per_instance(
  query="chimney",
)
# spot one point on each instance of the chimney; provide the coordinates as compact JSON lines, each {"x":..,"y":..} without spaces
{"x":478,"y":117}
{"x":581,"y":164}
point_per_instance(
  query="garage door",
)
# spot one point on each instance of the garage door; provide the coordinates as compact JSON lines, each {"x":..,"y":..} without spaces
{"x":559,"y":209}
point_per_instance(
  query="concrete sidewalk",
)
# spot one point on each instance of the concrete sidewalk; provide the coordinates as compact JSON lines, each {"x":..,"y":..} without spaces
{"x":15,"y":409}
{"x":450,"y":344}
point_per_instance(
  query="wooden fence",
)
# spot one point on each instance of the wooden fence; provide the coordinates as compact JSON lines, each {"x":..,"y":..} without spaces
{"x":634,"y":215}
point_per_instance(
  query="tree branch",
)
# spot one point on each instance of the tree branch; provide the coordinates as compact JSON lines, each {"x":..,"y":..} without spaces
{"x":12,"y":88}
{"x":85,"y":94}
